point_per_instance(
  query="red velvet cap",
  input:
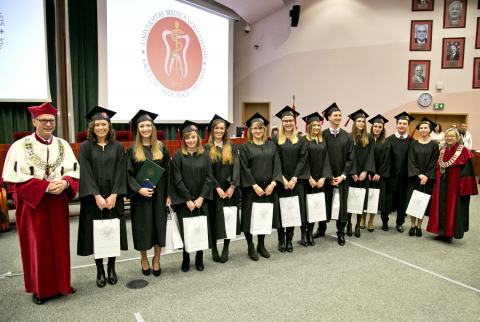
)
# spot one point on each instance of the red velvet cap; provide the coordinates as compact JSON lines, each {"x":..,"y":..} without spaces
{"x":45,"y":108}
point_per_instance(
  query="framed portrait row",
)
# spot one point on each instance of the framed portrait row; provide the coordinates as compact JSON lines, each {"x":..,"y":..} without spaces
{"x":454,"y":11}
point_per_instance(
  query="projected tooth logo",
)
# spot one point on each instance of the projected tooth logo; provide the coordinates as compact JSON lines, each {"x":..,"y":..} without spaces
{"x":175,"y":56}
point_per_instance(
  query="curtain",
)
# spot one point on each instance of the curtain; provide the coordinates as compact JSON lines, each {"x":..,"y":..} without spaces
{"x":15,"y":116}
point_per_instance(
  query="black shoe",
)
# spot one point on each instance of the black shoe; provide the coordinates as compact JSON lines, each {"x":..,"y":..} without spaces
{"x":289,"y":246}
{"x":349,"y":229}
{"x":400,"y":228}
{"x":145,"y":272}
{"x":319,"y":233}
{"x":156,"y":273}
{"x":418,"y":232}
{"x":440,"y":238}
{"x":370,"y":230}
{"x":215,"y":255}
{"x":281,"y":242}
{"x":112,"y":275}
{"x":186,"y":262}
{"x":310,"y":240}
{"x":252,"y":253}
{"x":341,"y":238}
{"x":101,"y":281}
{"x":411,"y":232}
{"x":199,"y":261}
{"x":357,"y":230}
{"x":224,"y":257}
{"x":385,"y":226}
{"x":36,"y":300}
{"x":448,"y":240}
{"x":73,"y":290}
{"x":303,"y":238}
{"x":262,"y":250}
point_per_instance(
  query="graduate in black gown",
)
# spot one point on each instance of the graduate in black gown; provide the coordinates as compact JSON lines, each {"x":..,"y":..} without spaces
{"x":293,"y":154}
{"x":318,"y":162}
{"x":148,"y":207}
{"x":398,"y":178}
{"x":260,"y":171}
{"x":422,"y":162}
{"x":381,"y":154}
{"x":192,"y":186}
{"x":103,"y":185}
{"x":226,"y":178}
{"x":456,"y":182}
{"x":365,"y":162}
{"x":341,"y":153}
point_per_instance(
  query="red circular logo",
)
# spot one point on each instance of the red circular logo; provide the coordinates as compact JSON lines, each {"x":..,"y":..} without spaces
{"x":193,"y":127}
{"x":262,"y":121}
{"x":148,"y":117}
{"x":407,"y":118}
{"x":105,"y":115}
{"x":174,"y":54}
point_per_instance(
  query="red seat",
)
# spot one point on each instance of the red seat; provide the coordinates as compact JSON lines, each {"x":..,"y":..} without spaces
{"x":122,"y":136}
{"x":19,"y":135}
{"x":161,"y":135}
{"x":81,"y":137}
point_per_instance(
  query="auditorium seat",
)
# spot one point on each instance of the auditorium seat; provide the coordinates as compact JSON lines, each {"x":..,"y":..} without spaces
{"x":18,"y":135}
{"x":160,"y":135}
{"x":81,"y":137}
{"x":122,"y":136}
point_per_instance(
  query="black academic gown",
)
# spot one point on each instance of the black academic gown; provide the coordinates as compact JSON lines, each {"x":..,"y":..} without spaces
{"x":294,"y":161}
{"x":381,"y":152}
{"x":422,"y":159}
{"x":259,"y":164}
{"x":149,"y":215}
{"x":365,"y":161}
{"x":318,"y":165}
{"x":192,"y":178}
{"x":398,"y":179}
{"x":102,"y":173}
{"x":341,"y":153}
{"x":224,"y":175}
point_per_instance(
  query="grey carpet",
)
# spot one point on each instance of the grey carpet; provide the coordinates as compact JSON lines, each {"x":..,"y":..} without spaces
{"x":323,"y":283}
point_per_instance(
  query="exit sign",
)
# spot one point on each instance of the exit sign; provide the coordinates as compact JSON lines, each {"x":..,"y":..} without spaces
{"x":438,"y":106}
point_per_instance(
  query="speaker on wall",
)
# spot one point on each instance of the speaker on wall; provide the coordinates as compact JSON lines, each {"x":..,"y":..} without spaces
{"x":295,"y":14}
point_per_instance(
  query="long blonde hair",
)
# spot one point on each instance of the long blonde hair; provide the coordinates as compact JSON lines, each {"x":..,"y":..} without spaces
{"x":310,"y":135}
{"x":364,"y":137}
{"x":199,"y":146}
{"x":156,"y":145}
{"x":227,"y":157}
{"x":250,"y":134}
{"x":281,"y":135}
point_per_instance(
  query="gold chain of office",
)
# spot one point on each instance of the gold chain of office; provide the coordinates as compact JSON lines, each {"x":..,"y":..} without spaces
{"x":454,"y":158}
{"x":35,"y":159}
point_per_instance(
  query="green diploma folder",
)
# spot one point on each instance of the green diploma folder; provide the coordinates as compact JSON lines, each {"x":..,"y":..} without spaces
{"x":150,"y":171}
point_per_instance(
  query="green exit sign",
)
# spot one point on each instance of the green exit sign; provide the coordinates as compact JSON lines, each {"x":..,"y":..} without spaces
{"x":438,"y":106}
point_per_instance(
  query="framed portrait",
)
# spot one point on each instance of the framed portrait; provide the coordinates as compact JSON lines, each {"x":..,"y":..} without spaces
{"x":455,"y":13}
{"x":453,"y":50}
{"x":423,"y":5}
{"x":418,"y":74}
{"x":421,"y":35}
{"x":477,"y":37}
{"x":476,"y":72}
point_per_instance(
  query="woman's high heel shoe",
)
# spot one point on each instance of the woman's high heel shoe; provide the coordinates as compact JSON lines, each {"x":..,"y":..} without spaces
{"x":145,"y":272}
{"x":156,"y":273}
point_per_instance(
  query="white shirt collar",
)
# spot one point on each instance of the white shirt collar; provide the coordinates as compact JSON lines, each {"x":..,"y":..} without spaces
{"x":46,"y":141}
{"x":404,"y":136}
{"x":331,"y":130}
{"x":220,"y":145}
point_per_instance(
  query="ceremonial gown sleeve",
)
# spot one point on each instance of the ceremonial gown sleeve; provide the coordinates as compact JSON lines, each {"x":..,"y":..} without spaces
{"x":87,"y":180}
{"x":468,"y":184}
{"x":234,"y":178}
{"x":382,"y":166}
{"x":119,"y":186}
{"x":207,"y":187}
{"x":181,"y":193}
{"x":350,"y":162}
{"x":247,"y":178}
{"x":302,"y":170}
{"x":133,"y":186}
{"x":215,"y":183}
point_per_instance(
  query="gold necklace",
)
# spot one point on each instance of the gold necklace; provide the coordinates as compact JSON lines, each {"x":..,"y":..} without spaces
{"x":454,"y":158}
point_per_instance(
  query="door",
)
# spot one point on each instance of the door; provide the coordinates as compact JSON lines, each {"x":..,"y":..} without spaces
{"x":446,"y":120}
{"x":250,"y":108}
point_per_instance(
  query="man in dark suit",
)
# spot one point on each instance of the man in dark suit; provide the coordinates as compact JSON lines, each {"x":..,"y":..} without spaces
{"x":418,"y":78}
{"x":421,"y":32}
{"x":455,"y":11}
{"x":453,"y":53}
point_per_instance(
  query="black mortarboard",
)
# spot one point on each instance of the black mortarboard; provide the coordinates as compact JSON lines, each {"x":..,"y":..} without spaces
{"x":314,"y":117}
{"x":215,"y":118}
{"x":356,"y":115}
{"x":257,"y":117}
{"x":329,"y":110}
{"x":189,"y":126}
{"x":430,"y":123}
{"x":404,"y":116}
{"x":378,"y":119}
{"x":100,"y":113}
{"x":287,"y":111}
{"x":140,"y":117}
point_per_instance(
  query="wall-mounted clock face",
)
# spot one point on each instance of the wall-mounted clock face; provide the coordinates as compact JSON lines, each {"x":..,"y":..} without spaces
{"x":425,"y":99}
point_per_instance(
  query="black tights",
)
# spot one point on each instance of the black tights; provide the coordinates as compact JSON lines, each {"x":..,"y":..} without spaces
{"x":99,"y":262}
{"x":289,"y":230}
{"x":249,"y":238}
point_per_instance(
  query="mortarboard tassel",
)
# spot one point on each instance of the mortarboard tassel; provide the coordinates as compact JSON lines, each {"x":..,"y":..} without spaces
{"x":347,"y":122}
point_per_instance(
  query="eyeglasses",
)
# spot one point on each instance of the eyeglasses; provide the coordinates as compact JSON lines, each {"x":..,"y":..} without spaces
{"x":450,"y":137}
{"x":288,"y":122}
{"x":257,"y":129}
{"x":44,"y":122}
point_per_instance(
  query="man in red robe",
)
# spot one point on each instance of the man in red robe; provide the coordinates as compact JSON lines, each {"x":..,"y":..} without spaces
{"x":43,"y":173}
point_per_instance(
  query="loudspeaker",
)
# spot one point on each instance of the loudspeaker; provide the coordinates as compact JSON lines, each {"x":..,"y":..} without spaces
{"x":295,"y":14}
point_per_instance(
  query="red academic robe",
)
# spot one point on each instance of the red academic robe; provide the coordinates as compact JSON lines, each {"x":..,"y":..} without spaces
{"x":449,"y":213}
{"x":44,"y":233}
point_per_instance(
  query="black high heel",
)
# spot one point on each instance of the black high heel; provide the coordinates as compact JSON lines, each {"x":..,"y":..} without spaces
{"x":156,"y":273}
{"x":145,"y":272}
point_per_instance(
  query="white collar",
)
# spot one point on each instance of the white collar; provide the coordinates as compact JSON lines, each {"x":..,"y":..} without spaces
{"x":331,"y":130}
{"x":220,"y":145}
{"x":46,"y":141}
{"x":404,"y":136}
